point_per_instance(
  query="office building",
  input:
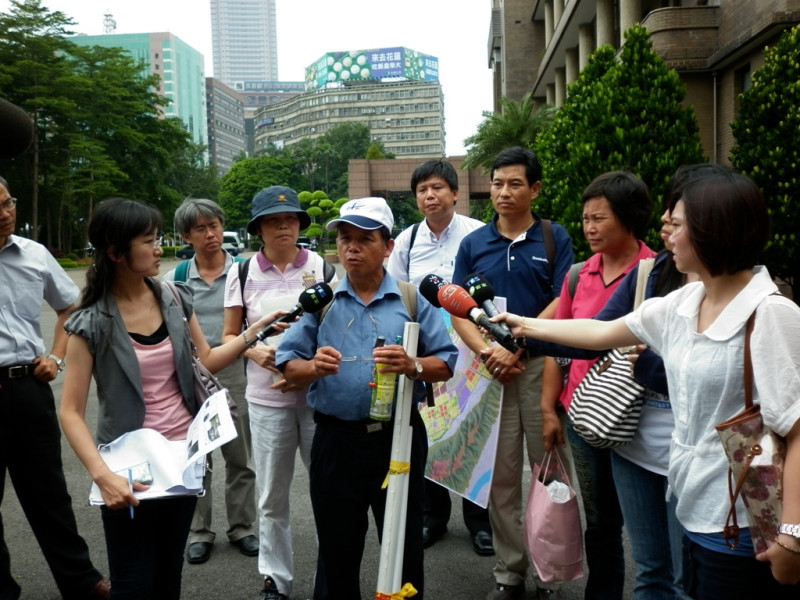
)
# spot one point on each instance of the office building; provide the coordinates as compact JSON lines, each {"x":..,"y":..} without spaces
{"x":244,"y":41}
{"x":179,"y":66}
{"x":226,"y":127}
{"x":396,"y":91}
{"x":540,"y":46}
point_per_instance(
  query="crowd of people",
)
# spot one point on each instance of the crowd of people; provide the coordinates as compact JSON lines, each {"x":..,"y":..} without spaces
{"x":309,"y":391}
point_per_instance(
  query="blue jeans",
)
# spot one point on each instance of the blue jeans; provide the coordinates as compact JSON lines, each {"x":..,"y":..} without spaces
{"x":603,"y":536}
{"x":712,"y":575}
{"x":145,"y":554}
{"x":655,"y":534}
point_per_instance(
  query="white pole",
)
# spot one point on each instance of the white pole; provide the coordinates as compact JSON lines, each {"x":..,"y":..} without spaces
{"x":390,"y":569}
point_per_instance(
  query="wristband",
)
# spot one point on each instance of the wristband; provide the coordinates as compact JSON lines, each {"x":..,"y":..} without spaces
{"x":246,"y":341}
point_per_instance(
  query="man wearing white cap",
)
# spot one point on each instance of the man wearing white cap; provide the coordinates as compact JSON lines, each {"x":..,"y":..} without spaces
{"x":336,"y":355}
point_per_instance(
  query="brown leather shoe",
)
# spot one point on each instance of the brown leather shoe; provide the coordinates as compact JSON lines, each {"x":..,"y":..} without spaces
{"x":100,"y":590}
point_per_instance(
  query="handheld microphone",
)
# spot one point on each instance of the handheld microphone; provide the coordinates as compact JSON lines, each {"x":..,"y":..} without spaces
{"x":455,"y":300}
{"x":17,"y":129}
{"x":311,"y":300}
{"x":429,"y":288}
{"x":482,"y":292}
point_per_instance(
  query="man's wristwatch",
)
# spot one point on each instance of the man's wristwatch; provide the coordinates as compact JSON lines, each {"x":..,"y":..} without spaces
{"x":792,"y":530}
{"x":417,"y":370}
{"x":59,"y":361}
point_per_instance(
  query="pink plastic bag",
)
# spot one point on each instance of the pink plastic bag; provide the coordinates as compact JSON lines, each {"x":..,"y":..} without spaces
{"x":553,"y":531}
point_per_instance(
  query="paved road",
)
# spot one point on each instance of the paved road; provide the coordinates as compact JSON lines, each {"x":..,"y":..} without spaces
{"x":453,"y":570}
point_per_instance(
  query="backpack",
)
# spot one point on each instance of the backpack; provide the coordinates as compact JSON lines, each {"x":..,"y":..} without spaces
{"x":182,"y":270}
{"x":572,"y":277}
{"x":547,"y":237}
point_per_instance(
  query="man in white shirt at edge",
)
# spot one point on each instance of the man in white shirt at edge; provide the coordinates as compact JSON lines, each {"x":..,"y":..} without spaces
{"x":430,"y":246}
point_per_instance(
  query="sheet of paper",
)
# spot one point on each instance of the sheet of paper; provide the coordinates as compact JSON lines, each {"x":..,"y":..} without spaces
{"x":169,"y":467}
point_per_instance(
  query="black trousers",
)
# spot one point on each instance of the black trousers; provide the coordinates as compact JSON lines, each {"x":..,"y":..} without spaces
{"x":348,"y":467}
{"x":30,"y":451}
{"x":438,"y":507}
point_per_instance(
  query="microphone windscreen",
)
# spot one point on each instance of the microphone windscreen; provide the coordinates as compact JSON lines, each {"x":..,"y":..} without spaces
{"x":479,"y":288}
{"x":16,"y":130}
{"x":429,"y":288}
{"x":455,"y":300}
{"x":316,"y":297}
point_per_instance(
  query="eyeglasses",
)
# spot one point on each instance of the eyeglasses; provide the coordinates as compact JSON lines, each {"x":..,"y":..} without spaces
{"x":359,"y":335}
{"x":156,"y":243}
{"x":9,"y":204}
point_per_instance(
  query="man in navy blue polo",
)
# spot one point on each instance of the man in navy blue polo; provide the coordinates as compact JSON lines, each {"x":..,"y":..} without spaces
{"x":511,"y":253}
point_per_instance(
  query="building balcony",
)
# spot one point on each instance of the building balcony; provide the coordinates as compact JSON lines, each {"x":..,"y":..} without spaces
{"x":685,"y":37}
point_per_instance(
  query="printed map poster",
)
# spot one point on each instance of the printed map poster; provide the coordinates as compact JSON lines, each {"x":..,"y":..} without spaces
{"x":463,"y":425}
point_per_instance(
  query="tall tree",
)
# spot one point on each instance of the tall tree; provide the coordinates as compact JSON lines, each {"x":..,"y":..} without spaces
{"x":766,"y":150}
{"x":516,"y":124}
{"x":338,"y":145}
{"x":32,"y":62}
{"x":632,"y":116}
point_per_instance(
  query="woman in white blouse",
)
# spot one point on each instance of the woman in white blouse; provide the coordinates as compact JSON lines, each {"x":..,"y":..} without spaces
{"x":720,"y":227}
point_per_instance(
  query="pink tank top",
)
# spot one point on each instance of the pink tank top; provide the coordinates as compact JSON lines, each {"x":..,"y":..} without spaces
{"x":165,"y":410}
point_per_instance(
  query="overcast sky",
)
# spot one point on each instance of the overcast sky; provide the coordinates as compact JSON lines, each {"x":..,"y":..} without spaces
{"x":455,"y":31}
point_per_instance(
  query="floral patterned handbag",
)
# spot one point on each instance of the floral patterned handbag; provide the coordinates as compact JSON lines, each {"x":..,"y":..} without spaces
{"x":756,"y":455}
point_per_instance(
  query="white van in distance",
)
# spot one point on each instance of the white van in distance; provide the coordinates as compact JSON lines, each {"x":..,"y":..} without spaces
{"x":231,"y":243}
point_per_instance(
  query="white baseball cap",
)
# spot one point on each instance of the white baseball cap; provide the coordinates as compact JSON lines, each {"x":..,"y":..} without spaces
{"x":364,"y":213}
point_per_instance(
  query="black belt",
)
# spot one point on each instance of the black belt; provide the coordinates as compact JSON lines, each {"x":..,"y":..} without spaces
{"x":16,"y":371}
{"x":364,"y":425}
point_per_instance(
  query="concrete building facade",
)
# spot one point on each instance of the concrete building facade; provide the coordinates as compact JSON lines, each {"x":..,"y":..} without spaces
{"x":226,"y":127}
{"x":179,"y":66}
{"x":391,"y":179}
{"x":540,"y":46}
{"x":244,"y":41}
{"x":406,"y":116}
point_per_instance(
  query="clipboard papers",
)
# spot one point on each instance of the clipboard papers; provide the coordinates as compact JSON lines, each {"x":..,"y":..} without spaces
{"x":170,"y":468}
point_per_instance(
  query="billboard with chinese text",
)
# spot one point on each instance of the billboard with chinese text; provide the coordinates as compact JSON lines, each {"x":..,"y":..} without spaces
{"x":380,"y":63}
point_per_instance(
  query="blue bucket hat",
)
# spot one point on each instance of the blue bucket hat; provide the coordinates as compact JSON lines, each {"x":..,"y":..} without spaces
{"x":273,"y":200}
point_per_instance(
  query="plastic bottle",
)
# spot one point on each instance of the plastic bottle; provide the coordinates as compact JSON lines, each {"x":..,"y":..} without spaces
{"x":382,"y":390}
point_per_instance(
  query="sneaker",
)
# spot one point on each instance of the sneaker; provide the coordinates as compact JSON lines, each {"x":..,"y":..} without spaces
{"x":270,"y":591}
{"x":503,"y":591}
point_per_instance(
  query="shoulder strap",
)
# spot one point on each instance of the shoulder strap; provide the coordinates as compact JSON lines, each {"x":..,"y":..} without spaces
{"x":182,"y":270}
{"x":414,"y":230}
{"x":328,"y":271}
{"x":572,"y":278}
{"x":244,"y":269}
{"x":549,"y":247}
{"x":408,"y":293}
{"x":645,"y":266}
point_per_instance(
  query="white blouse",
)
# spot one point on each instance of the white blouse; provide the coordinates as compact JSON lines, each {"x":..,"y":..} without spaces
{"x":705,"y":377}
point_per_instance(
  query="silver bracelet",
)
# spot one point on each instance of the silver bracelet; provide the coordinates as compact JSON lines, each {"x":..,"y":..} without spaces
{"x":246,"y":341}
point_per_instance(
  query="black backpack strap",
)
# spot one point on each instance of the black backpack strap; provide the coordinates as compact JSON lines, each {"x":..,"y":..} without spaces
{"x":549,"y":247}
{"x":328,"y":271}
{"x":414,"y":230}
{"x":244,"y":269}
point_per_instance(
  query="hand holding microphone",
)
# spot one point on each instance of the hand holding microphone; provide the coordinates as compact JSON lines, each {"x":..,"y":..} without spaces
{"x":482,"y":292}
{"x":311,"y":300}
{"x":455,"y":300}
